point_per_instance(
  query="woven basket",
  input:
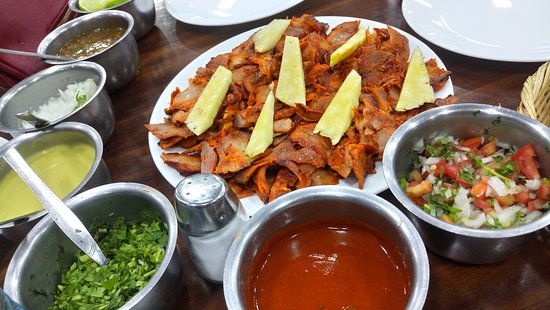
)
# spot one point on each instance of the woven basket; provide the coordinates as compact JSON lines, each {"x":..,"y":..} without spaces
{"x":535,"y":96}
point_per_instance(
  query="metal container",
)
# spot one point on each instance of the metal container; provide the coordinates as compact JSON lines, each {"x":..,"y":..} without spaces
{"x":143,"y":12}
{"x":32,"y":143}
{"x":466,"y":245}
{"x":35,"y":90}
{"x":326,"y":202}
{"x":120,"y":60}
{"x":210,"y":215}
{"x":45,"y":244}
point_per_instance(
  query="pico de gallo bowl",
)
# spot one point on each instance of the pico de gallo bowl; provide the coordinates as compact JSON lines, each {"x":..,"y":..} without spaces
{"x":445,"y":228}
{"x":477,"y":182}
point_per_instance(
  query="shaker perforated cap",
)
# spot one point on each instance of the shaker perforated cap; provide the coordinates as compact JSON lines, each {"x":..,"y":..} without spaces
{"x":204,"y":203}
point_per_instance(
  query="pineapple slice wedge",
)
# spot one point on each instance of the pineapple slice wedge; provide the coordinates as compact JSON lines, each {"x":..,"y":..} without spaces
{"x":291,"y":87}
{"x":207,"y":106}
{"x":262,"y":134}
{"x":267,"y":37}
{"x":416,"y":88}
{"x":338,"y":116}
{"x":348,"y":47}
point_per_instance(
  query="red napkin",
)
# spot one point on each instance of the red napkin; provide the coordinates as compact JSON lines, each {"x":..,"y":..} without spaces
{"x":23,"y":24}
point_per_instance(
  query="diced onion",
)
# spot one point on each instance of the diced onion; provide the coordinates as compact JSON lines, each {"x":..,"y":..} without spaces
{"x":532,"y":184}
{"x":475,"y":222}
{"x":498,"y":186}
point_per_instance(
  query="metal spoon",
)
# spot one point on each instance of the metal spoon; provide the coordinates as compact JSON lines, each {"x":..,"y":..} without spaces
{"x":69,"y":223}
{"x":38,"y":55}
{"x":30,"y":117}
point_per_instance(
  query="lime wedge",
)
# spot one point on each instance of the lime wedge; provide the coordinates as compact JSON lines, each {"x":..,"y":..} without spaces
{"x":98,"y":5}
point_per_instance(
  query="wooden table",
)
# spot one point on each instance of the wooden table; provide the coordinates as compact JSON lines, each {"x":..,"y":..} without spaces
{"x":521,"y":282}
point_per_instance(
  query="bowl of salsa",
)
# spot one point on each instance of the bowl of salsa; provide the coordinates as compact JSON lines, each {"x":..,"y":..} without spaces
{"x":327,"y":247}
{"x":104,"y":37}
{"x":67,"y":157}
{"x":471,"y":177}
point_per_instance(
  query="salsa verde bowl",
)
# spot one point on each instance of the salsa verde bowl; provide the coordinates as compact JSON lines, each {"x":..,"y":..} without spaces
{"x":35,"y":269}
{"x":67,"y":157}
{"x":458,"y":243}
{"x":334,"y":206}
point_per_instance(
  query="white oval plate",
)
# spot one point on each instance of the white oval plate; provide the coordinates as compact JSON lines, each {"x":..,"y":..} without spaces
{"x":374,"y":183}
{"x":225,"y":12}
{"x":504,"y":30}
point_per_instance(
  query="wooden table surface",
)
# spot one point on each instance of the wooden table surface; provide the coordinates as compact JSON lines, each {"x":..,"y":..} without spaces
{"x":520,"y":282}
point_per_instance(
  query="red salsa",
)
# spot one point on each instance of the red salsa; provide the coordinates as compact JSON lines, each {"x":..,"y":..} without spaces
{"x":328,"y":265}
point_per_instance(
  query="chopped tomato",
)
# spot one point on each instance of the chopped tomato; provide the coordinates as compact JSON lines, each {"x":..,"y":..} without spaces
{"x":479,"y":189}
{"x":527,"y":150}
{"x":534,"y":205}
{"x":506,"y":201}
{"x":482,"y":204}
{"x":544,"y":191}
{"x":419,"y":189}
{"x":526,"y":162}
{"x":452,"y":171}
{"x":472,"y":143}
{"x":489,"y":148}
{"x":440,"y":168}
{"x":419,"y":201}
{"x":522,"y":197}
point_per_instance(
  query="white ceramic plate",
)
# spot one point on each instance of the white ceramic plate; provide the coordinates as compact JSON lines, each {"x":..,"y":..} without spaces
{"x":374,"y":183}
{"x":504,"y":30}
{"x":225,"y":12}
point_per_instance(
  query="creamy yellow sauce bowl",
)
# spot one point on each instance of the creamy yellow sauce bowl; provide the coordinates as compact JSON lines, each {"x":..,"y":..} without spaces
{"x":66,"y":157}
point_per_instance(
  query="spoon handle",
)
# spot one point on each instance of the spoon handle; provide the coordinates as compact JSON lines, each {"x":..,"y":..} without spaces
{"x":69,"y":223}
{"x":39,"y":55}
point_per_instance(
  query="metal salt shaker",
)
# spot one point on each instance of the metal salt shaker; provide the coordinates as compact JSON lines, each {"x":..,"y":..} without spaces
{"x":211,"y":215}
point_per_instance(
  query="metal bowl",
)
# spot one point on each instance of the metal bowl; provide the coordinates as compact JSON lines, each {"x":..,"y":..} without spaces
{"x":35,"y":90}
{"x":466,"y":245}
{"x":143,"y":12}
{"x":322,"y":202}
{"x":46,"y":243}
{"x":120,"y":60}
{"x":32,"y":143}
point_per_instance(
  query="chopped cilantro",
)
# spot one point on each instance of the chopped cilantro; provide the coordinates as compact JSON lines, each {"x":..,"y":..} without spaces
{"x":80,"y":99}
{"x":435,"y":202}
{"x":479,"y":164}
{"x":476,"y":112}
{"x":507,"y":169}
{"x":467,"y":176}
{"x":134,"y":249}
{"x":403,"y":182}
{"x":498,"y":158}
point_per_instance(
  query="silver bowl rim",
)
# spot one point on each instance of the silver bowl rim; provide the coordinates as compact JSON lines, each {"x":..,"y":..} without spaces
{"x":459,"y":108}
{"x":39,"y":76}
{"x":50,"y":37}
{"x":108,"y":189}
{"x":66,"y":126}
{"x":73,"y":5}
{"x":418,"y":250}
